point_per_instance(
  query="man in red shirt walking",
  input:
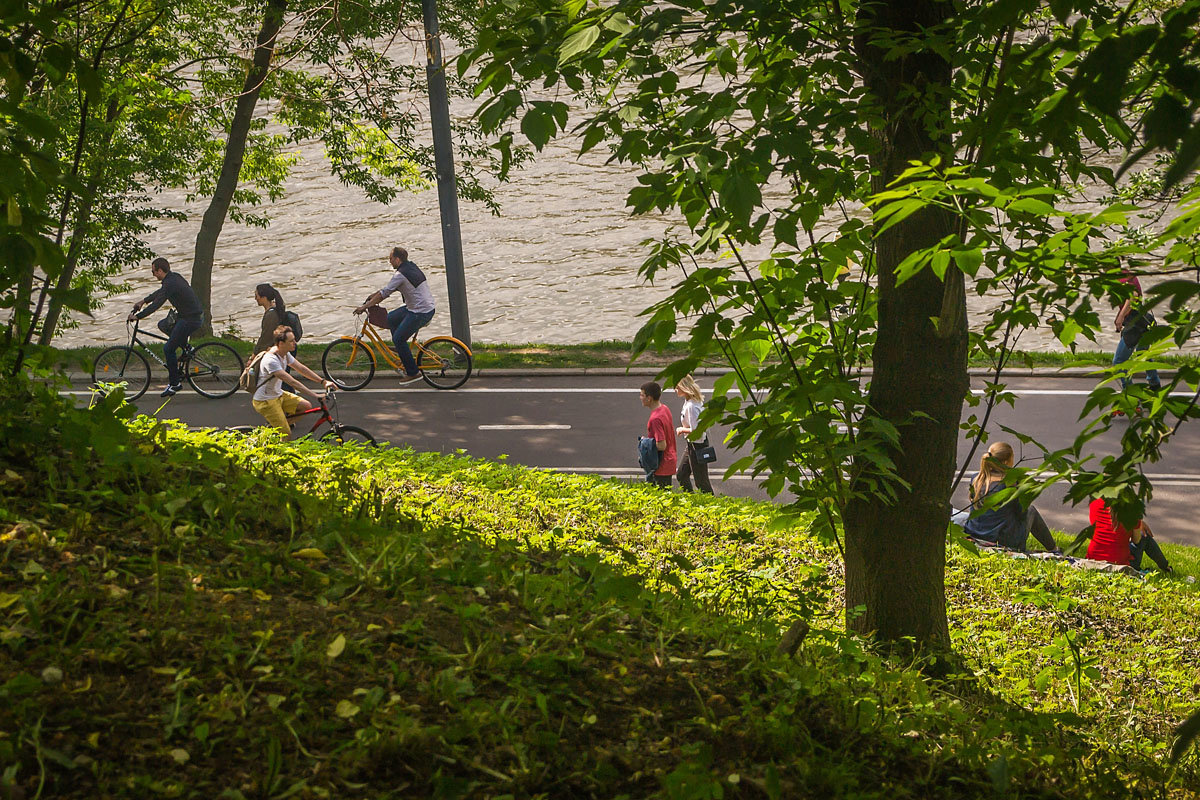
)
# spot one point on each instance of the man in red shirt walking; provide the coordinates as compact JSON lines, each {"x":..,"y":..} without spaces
{"x":662,"y":431}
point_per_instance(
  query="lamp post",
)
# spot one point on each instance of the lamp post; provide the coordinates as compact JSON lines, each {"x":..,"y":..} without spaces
{"x":443,"y":151}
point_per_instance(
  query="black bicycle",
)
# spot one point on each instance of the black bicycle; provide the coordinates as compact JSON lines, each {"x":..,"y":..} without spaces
{"x":211,"y":368}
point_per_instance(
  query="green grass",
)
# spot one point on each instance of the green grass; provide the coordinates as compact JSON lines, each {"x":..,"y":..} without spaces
{"x":194,"y":614}
{"x":613,"y":354}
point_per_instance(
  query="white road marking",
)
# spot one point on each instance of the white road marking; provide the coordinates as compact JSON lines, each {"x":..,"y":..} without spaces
{"x":629,"y":391}
{"x":548,"y":427}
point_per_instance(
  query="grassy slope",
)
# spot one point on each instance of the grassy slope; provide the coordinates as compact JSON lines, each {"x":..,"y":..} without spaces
{"x":211,"y":615}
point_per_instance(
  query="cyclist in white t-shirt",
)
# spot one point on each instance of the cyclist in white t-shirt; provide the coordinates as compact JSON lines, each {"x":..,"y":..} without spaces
{"x":270,"y":399}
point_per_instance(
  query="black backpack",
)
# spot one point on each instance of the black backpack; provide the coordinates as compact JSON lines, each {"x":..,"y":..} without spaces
{"x":292,"y":320}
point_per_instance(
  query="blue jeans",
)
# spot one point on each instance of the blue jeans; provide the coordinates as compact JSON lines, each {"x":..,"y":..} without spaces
{"x":178,"y":338}
{"x":404,"y":324}
{"x":1147,"y":546}
{"x":1122,"y":355}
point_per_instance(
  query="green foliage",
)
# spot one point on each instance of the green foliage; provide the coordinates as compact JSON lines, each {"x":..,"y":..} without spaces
{"x":778,"y":135}
{"x":330,"y":621}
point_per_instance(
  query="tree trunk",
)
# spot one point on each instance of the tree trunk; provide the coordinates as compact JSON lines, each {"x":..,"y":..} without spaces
{"x":82,"y":218}
{"x":896,"y":550}
{"x":235,"y":152}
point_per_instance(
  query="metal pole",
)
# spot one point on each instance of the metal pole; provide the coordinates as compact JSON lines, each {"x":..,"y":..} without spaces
{"x":443,"y":151}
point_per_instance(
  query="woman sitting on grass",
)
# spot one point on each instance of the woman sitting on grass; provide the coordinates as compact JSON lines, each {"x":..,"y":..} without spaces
{"x":1111,"y":541}
{"x":1008,"y":525}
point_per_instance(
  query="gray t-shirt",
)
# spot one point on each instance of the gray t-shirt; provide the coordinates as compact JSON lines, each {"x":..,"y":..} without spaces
{"x":411,"y":283}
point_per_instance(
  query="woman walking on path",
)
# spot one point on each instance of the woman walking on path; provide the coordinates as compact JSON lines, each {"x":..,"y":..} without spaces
{"x":689,"y":420}
{"x":1008,"y":525}
{"x":269,"y":298}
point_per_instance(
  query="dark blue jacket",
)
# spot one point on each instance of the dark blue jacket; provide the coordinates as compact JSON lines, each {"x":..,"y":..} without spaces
{"x":648,"y":454}
{"x":176,"y":289}
{"x":1004,"y":525}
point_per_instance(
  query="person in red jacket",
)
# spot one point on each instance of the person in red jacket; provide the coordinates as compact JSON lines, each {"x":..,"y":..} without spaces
{"x":1113,"y":543}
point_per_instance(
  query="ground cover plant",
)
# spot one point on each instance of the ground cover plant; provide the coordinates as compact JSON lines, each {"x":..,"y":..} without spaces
{"x":195,"y":614}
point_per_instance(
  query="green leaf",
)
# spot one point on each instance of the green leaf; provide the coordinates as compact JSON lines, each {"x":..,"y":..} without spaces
{"x":538,"y":126}
{"x":740,"y":194}
{"x":336,"y":646}
{"x":578,"y":42}
{"x":969,"y":261}
{"x":1031,"y":205}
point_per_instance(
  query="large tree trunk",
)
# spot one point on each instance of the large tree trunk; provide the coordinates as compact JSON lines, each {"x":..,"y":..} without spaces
{"x":235,"y":152}
{"x":896,"y":550}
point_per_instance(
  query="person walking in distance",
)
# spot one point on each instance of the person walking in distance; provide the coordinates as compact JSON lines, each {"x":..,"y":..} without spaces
{"x":270,"y":399}
{"x":659,"y":428}
{"x":1131,"y":323}
{"x":689,"y":419}
{"x":416,"y":312}
{"x":190,"y":317}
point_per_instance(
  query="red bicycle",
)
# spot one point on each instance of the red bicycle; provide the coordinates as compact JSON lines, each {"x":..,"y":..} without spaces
{"x":328,"y":415}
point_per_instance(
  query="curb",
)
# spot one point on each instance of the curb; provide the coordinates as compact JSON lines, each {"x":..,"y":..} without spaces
{"x":568,"y":372}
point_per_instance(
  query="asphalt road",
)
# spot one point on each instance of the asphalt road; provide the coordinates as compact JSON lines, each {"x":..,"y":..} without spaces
{"x":590,"y":424}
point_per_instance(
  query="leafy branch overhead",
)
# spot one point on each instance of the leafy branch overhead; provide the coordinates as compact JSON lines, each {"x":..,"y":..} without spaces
{"x":841,"y":177}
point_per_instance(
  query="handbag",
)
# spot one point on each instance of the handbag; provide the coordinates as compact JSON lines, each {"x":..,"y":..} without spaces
{"x":705,"y":453}
{"x":377,"y":316}
{"x":167,"y":323}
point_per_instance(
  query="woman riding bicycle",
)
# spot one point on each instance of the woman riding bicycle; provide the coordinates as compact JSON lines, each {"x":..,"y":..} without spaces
{"x":270,"y":399}
{"x":416,"y":312}
{"x":191,"y":316}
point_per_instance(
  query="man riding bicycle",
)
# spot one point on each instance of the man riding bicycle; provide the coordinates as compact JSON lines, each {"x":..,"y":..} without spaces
{"x":270,"y":399}
{"x":416,"y":312}
{"x":190,"y":317}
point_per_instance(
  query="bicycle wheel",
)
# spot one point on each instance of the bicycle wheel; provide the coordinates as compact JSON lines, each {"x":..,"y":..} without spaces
{"x":123,"y":364}
{"x":214,"y":369}
{"x":444,"y":361}
{"x":349,"y":363}
{"x":348,"y":433}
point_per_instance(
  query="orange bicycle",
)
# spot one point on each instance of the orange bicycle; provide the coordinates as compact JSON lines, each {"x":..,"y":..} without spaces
{"x":444,"y":362}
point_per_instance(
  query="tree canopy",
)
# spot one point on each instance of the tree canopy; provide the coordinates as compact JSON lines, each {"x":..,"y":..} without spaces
{"x":952,"y":148}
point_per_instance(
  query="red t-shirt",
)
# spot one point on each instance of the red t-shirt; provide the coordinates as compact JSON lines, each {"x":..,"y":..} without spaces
{"x":1110,"y":542}
{"x":660,"y":429}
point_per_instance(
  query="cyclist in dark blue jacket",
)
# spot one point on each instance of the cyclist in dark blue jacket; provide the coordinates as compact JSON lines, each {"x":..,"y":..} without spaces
{"x":190,"y":317}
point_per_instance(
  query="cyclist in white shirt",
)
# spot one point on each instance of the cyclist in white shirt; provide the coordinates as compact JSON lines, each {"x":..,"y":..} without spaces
{"x":416,"y":312}
{"x":270,"y":399}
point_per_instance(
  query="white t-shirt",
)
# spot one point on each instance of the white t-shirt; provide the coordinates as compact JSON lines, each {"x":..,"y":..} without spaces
{"x":270,"y":388}
{"x":689,"y":415}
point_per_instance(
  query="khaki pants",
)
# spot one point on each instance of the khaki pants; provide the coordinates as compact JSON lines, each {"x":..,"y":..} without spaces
{"x":277,"y":411}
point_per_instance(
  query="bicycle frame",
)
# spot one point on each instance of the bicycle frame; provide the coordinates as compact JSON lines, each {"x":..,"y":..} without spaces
{"x":377,"y":347}
{"x":184,"y":352}
{"x":322,"y":409}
